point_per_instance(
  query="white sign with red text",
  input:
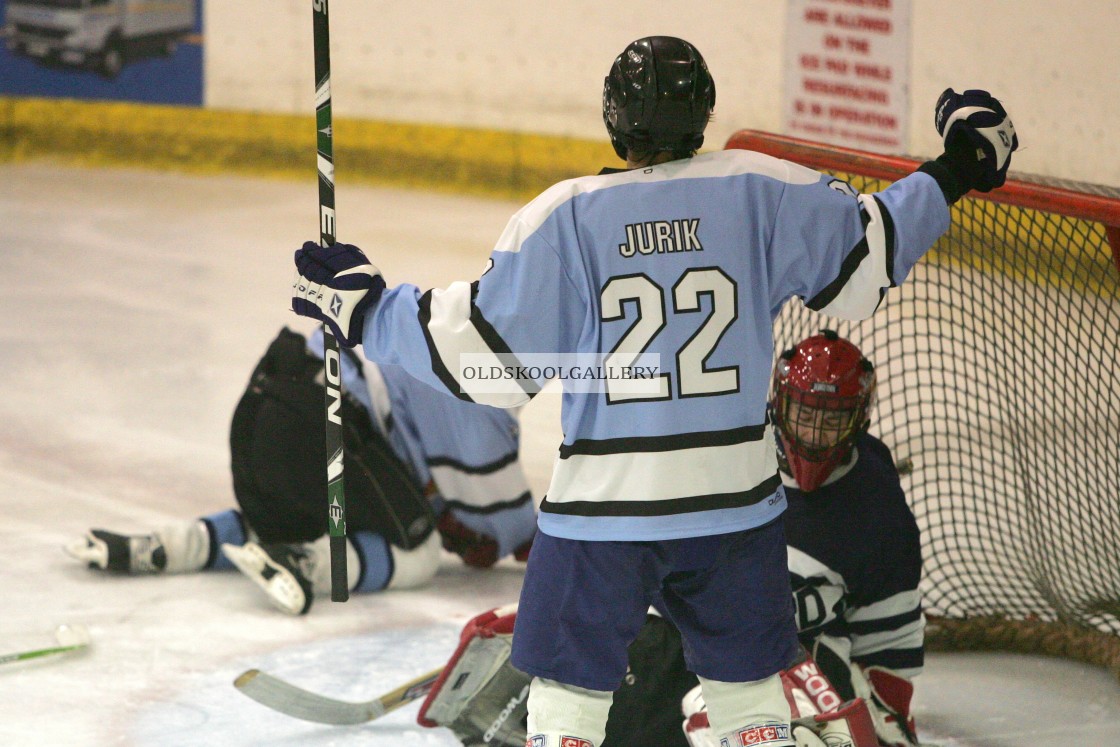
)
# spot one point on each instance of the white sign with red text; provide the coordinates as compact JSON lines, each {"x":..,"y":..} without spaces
{"x":847,"y":72}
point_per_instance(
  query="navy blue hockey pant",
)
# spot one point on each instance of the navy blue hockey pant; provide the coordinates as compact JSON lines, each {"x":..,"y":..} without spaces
{"x":583,"y":602}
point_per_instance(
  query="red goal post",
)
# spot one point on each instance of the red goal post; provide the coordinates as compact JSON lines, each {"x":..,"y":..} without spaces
{"x":998,"y":365}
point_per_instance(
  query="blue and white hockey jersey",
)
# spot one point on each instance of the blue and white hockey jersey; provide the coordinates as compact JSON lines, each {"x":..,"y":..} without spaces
{"x":855,"y":561}
{"x":690,"y":261}
{"x":469,"y":451}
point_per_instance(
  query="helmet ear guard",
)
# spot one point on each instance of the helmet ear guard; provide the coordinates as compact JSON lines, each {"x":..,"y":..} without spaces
{"x":658,"y":96}
{"x":823,"y":389}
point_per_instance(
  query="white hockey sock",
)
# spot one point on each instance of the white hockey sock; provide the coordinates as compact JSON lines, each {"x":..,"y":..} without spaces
{"x":187,"y":545}
{"x":747,"y":713}
{"x":319,"y":568}
{"x":557,"y":710}
{"x":415,"y":567}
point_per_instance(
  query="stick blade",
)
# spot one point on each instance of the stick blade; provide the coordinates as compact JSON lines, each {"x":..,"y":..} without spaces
{"x":303,"y":704}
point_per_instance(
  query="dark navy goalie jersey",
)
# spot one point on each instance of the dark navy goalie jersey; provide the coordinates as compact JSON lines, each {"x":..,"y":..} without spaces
{"x":855,"y":562}
{"x":689,"y":261}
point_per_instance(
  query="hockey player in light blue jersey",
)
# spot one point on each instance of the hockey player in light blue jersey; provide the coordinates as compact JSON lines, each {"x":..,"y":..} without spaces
{"x":668,"y":484}
{"x":423,"y":470}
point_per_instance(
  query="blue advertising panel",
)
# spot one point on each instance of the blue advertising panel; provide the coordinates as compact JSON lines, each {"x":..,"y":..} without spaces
{"x":120,"y":50}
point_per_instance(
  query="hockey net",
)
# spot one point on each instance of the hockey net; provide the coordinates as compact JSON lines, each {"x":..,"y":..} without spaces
{"x":998,"y":394}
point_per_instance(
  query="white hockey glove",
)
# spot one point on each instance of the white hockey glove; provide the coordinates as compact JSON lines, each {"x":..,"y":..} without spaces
{"x":888,"y":697}
{"x":336,"y":285}
{"x":979,"y":138}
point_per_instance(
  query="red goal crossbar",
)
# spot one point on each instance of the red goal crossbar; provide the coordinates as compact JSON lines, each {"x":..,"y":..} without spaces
{"x":1021,"y":192}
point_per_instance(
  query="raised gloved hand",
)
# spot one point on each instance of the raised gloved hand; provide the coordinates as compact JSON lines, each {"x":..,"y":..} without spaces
{"x":336,"y":285}
{"x":979,"y":138}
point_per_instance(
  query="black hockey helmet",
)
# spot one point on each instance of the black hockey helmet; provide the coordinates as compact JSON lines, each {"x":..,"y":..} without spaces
{"x":658,"y":96}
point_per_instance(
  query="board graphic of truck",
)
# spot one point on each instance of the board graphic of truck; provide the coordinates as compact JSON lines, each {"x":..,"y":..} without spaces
{"x":104,"y":34}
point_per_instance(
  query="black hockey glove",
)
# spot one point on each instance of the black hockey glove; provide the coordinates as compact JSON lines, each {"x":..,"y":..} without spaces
{"x":336,"y":285}
{"x":979,"y":138}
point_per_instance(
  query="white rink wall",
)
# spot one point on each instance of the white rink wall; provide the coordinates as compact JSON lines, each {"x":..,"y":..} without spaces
{"x":536,"y":66}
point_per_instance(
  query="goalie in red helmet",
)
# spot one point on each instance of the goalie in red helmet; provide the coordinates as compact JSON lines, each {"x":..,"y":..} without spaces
{"x":853,"y":543}
{"x":823,"y":389}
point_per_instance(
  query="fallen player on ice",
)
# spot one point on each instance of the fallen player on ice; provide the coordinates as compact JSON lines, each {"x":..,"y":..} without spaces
{"x":423,"y":470}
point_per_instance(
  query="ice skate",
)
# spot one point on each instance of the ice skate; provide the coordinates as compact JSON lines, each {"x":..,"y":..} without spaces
{"x":120,"y":553}
{"x":282,"y":571}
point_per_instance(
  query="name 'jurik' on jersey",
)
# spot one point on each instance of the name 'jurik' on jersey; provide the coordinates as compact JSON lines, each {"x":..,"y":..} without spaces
{"x":661,"y":236}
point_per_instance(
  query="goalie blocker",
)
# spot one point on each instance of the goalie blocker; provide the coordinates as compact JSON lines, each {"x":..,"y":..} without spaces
{"x":482,"y":698}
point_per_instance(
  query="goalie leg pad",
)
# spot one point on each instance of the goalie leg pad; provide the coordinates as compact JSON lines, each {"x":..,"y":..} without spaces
{"x":888,"y":697}
{"x":807,"y":681}
{"x":696,"y":728}
{"x":849,"y":725}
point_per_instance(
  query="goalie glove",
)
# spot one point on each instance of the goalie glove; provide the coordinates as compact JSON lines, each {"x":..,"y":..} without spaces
{"x":979,"y":138}
{"x":888,"y":697}
{"x":336,"y":285}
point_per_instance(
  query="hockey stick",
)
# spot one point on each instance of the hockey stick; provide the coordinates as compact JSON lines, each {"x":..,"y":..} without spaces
{"x":296,"y":702}
{"x":336,"y":494}
{"x":69,"y":638}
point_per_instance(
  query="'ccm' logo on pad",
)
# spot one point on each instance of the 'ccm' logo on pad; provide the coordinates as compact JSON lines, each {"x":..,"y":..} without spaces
{"x":764,"y":733}
{"x":574,"y":742}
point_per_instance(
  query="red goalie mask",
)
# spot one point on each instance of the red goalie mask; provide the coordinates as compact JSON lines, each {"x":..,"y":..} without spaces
{"x":823,"y":389}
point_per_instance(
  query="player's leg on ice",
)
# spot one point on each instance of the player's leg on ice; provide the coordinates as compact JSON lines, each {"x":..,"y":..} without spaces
{"x":732,"y":603}
{"x":293,"y":574}
{"x":820,"y":716}
{"x":566,"y":715}
{"x":576,"y":617}
{"x":180,"y":547}
{"x":738,"y":713}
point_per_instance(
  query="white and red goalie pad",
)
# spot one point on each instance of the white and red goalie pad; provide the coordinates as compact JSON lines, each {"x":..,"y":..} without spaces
{"x":808,"y":691}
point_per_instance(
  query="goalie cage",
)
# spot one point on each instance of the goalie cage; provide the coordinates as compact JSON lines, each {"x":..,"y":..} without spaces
{"x":997,"y":394}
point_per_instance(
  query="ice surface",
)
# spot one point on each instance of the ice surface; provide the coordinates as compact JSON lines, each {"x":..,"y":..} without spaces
{"x":133,"y":306}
